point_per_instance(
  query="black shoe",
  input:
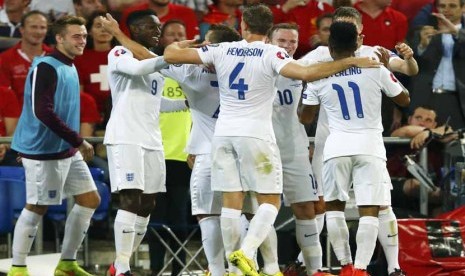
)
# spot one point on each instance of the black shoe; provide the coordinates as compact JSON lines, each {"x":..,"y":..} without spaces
{"x":397,"y":272}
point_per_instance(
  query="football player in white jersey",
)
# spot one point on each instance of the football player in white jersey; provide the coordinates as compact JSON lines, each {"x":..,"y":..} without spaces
{"x":133,"y":139}
{"x":244,"y":152}
{"x":408,"y":65}
{"x":299,"y":185}
{"x":354,"y":150}
{"x":200,"y":85}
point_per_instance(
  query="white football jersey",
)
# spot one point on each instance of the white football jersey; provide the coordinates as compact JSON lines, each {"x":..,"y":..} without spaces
{"x":246,"y":75}
{"x":352,"y":101}
{"x":200,"y":86}
{"x":321,"y":54}
{"x":136,"y":94}
{"x":290,"y":133}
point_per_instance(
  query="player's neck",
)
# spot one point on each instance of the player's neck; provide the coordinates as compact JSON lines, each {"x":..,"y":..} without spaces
{"x":338,"y":56}
{"x":255,"y":37}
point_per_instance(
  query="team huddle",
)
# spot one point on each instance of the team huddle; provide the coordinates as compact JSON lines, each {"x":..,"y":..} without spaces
{"x":249,"y":100}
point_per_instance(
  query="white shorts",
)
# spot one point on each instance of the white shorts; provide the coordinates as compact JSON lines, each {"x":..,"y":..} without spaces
{"x":317,"y":166}
{"x":204,"y":199}
{"x":134,"y":167}
{"x":246,"y":164}
{"x":48,"y":182}
{"x":368,"y":174}
{"x":299,"y":183}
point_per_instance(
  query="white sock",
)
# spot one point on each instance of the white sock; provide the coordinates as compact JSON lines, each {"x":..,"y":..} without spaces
{"x":320,"y":221}
{"x":140,"y":228}
{"x":213,"y":244}
{"x":389,"y":238}
{"x":367,"y":234}
{"x":308,"y":238}
{"x":124,"y":239}
{"x":259,"y":227}
{"x":300,"y":258}
{"x":24,"y":234}
{"x":76,"y":227}
{"x":269,"y":250}
{"x":231,"y":232}
{"x":338,"y":234}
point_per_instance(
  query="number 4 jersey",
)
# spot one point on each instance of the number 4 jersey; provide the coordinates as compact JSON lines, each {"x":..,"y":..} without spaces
{"x":246,"y":76}
{"x":352,"y":101}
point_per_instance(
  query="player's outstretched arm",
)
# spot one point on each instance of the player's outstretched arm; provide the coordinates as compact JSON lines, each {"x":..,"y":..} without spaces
{"x":408,"y":65}
{"x":180,"y":53}
{"x":314,"y":72}
{"x":111,"y":25}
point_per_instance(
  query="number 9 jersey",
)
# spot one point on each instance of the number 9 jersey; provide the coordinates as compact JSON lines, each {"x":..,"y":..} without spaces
{"x":136,"y":89}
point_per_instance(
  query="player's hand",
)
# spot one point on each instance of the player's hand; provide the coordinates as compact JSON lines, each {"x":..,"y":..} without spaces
{"x":87,"y":150}
{"x":110,"y":24}
{"x":190,"y":160}
{"x":366,"y":62}
{"x":383,"y":56}
{"x":190,"y":43}
{"x":404,"y":50}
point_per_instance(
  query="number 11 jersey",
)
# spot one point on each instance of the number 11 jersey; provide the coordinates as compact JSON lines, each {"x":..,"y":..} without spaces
{"x":352,"y":102}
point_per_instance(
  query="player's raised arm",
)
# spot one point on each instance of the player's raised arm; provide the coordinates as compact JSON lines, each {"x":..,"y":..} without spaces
{"x":408,"y":65}
{"x":111,"y":25}
{"x":318,"y":71}
{"x":179,"y":52}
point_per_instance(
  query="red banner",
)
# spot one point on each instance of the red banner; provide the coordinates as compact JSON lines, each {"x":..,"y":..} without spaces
{"x":430,"y":247}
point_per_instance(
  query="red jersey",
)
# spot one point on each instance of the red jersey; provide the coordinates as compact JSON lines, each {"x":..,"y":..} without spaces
{"x":387,"y":29}
{"x":9,"y":107}
{"x":14,"y":66}
{"x":305,"y":17}
{"x":409,"y":8}
{"x":89,"y":112}
{"x":92,"y":69}
{"x":215,"y":16}
{"x":179,"y":12}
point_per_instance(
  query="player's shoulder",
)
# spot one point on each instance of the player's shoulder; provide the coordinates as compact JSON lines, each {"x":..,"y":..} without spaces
{"x":319,"y":54}
{"x":119,"y":51}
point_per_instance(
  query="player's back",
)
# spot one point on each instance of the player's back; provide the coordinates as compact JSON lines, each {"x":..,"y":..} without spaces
{"x":200,"y":86}
{"x":322,"y":54}
{"x":246,"y":75}
{"x":352,"y":102}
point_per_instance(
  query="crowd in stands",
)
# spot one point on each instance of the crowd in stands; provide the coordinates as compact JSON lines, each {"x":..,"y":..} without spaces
{"x":433,"y":29}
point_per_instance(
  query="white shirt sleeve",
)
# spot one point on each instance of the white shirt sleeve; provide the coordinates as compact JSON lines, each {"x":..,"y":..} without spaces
{"x":278,"y":58}
{"x":389,"y":83}
{"x":124,"y":62}
{"x":170,"y":105}
{"x":310,"y":95}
